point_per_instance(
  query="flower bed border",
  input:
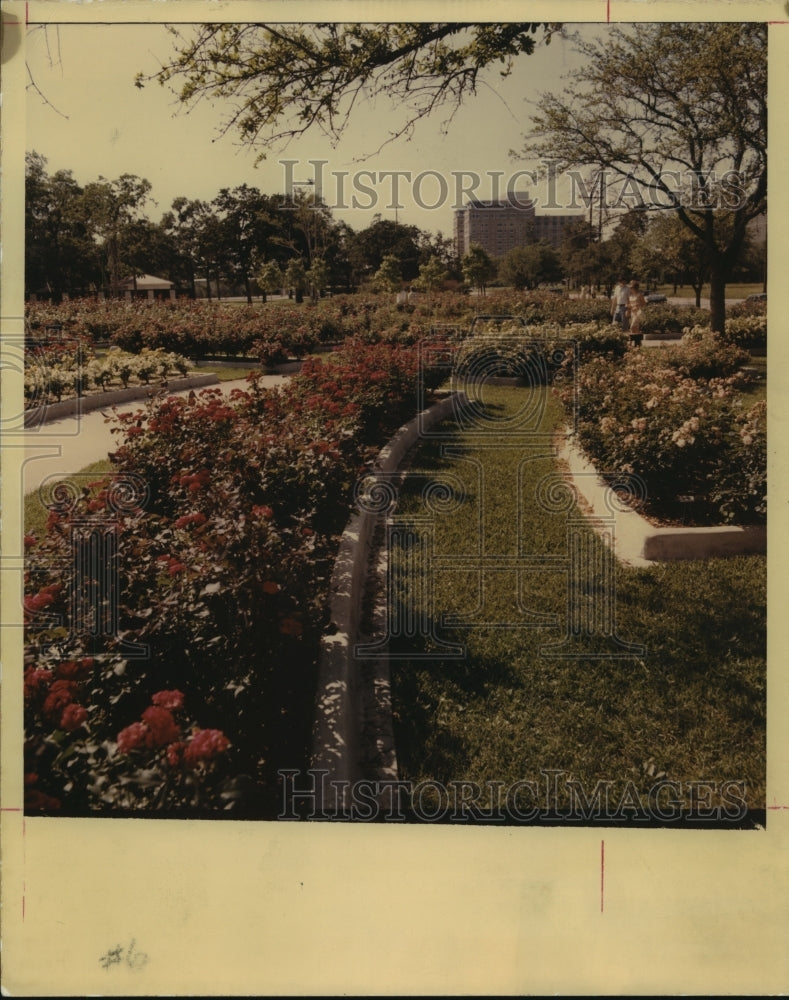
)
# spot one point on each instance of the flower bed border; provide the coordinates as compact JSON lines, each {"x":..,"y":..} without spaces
{"x":336,"y":748}
{"x":78,"y":405}
{"x":637,"y":542}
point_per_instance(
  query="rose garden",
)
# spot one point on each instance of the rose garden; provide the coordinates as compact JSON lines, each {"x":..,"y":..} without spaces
{"x":219,"y":518}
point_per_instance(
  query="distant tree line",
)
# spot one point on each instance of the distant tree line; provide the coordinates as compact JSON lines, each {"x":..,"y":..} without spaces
{"x":81,"y":240}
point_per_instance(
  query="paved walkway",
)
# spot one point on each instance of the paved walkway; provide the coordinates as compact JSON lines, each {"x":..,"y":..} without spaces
{"x":63,"y":447}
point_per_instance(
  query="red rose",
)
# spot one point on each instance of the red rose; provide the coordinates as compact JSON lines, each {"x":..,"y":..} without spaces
{"x":73,"y":717}
{"x":61,"y":694}
{"x":132,"y":737}
{"x":39,"y":601}
{"x":72,"y":670}
{"x":36,"y":682}
{"x":205,"y":745}
{"x":172,"y":700}
{"x":162,"y":727}
{"x":188,"y":519}
{"x":175,"y":754}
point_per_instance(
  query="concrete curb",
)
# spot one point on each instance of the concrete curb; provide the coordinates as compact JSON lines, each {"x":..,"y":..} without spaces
{"x":76,"y":406}
{"x":336,"y":733}
{"x":637,"y":542}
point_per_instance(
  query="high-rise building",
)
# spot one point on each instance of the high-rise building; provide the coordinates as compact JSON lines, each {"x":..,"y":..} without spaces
{"x":501,"y":225}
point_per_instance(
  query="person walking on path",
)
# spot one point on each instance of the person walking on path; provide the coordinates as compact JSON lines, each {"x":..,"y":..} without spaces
{"x":619,"y":303}
{"x":636,"y":306}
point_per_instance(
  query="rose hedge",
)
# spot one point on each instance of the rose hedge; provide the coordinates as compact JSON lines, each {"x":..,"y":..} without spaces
{"x":223,"y":570}
{"x":274,"y":331}
{"x":195,"y":328}
{"x":746,"y":331}
{"x":676,"y":420}
{"x":536,"y":352}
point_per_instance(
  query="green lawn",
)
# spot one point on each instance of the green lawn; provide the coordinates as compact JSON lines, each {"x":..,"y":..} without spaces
{"x":35,"y":512}
{"x":228,"y":374}
{"x":734,"y":290}
{"x":691,"y":707}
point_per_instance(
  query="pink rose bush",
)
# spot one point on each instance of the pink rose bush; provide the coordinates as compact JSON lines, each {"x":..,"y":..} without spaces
{"x":676,"y":419}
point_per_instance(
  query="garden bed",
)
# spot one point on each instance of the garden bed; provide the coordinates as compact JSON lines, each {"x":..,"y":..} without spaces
{"x":225,"y":516}
{"x":639,"y":541}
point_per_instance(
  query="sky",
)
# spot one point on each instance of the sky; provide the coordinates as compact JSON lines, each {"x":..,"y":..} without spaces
{"x":93,"y":121}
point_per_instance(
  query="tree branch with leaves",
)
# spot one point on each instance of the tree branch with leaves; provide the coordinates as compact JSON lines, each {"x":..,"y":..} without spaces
{"x":282,"y":80}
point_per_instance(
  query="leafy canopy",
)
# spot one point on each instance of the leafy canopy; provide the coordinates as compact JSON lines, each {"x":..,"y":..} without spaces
{"x":678,"y":112}
{"x":282,"y":80}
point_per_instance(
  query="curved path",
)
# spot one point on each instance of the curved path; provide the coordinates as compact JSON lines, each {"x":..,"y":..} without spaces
{"x":62,"y":447}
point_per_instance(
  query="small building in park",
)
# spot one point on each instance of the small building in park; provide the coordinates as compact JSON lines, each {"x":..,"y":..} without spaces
{"x":147,"y":286}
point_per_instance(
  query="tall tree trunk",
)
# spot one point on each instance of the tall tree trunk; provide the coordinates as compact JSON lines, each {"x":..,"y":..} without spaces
{"x":717,"y":298}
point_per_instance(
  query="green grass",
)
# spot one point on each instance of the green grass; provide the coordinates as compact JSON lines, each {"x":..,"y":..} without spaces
{"x":691,"y":707}
{"x":228,"y":374}
{"x":735,"y":290}
{"x":35,"y":512}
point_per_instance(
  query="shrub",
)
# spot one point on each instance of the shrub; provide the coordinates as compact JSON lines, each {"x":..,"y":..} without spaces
{"x":747,"y":331}
{"x":52,"y":373}
{"x":659,"y":318}
{"x":536,"y":352}
{"x":752,"y":307}
{"x":224,"y":557}
{"x":681,"y":434}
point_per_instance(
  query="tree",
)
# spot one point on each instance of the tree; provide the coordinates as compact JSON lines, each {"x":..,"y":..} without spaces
{"x":318,"y":276}
{"x":247,"y":227}
{"x":150,"y":249}
{"x":621,"y":244}
{"x":112,"y":207}
{"x":432,"y":276}
{"x":296,"y":277}
{"x":60,"y":255}
{"x":580,"y":253}
{"x":194,"y":228}
{"x":269,"y":278}
{"x":478,"y":269}
{"x":389,"y":276}
{"x":338,"y":241}
{"x":386,"y":238}
{"x":677,"y":113}
{"x":669,"y":246}
{"x":282,"y":80}
{"x":527,"y":267}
